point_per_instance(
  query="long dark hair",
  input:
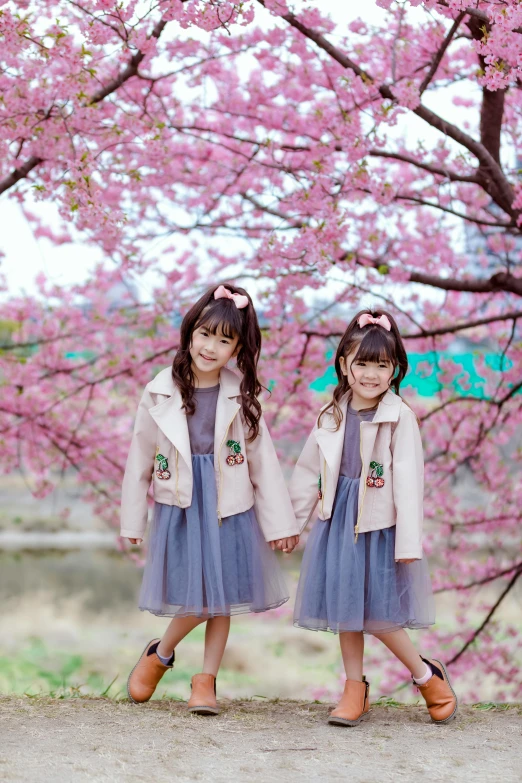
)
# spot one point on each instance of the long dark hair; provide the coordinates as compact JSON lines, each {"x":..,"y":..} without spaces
{"x":374,"y":344}
{"x":223,"y":314}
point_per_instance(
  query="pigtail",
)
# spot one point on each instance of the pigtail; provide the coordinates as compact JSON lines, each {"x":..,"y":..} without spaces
{"x":247,"y":361}
{"x":340,"y":390}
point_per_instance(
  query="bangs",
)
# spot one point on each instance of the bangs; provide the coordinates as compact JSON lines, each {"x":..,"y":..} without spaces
{"x":221,"y":315}
{"x":376,"y":347}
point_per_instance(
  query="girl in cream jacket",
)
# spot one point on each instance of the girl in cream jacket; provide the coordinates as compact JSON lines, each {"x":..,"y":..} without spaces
{"x":361,"y":473}
{"x":221,"y":504}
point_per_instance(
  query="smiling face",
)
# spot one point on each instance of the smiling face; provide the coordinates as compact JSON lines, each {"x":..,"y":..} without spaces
{"x":210,"y":350}
{"x":368,"y":380}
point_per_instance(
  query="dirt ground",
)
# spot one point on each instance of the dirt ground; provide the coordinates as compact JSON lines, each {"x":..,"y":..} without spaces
{"x":78,"y":740}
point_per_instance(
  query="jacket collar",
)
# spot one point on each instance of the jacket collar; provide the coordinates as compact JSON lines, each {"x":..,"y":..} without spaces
{"x":170,"y":416}
{"x":388,"y":408}
{"x":387,"y":411}
{"x":331,"y":440}
{"x":164,"y":384}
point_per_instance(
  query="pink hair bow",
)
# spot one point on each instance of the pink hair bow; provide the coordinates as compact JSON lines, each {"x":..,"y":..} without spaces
{"x":382,"y":320}
{"x":239,"y":300}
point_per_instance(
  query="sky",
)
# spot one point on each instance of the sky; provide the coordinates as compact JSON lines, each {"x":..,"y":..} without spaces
{"x":25,"y":256}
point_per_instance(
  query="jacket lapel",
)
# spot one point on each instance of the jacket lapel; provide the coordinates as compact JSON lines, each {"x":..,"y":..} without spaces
{"x":369,"y":431}
{"x":172,"y":420}
{"x":387,"y":411}
{"x":169,"y":414}
{"x":331,"y":441}
{"x":170,"y":417}
{"x":226,"y":408}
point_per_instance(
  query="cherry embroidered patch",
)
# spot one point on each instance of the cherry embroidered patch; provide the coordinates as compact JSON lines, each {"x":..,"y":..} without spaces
{"x":163,"y":464}
{"x":235,"y":457}
{"x":375,"y":478}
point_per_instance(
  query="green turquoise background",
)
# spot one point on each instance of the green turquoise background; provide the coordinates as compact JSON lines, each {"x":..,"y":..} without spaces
{"x":424,"y":374}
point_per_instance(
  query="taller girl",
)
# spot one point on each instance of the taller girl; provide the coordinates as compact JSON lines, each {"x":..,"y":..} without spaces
{"x":363,"y":567}
{"x":218,"y":489}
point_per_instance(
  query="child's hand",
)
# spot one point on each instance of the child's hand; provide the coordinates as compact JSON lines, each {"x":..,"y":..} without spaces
{"x":136,"y":541}
{"x":285,"y":544}
{"x":407,"y":560}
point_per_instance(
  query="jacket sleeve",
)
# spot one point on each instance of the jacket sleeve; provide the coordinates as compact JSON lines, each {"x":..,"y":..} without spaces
{"x":138,"y":471}
{"x":304,"y":482}
{"x":272,"y":503}
{"x":408,"y":485}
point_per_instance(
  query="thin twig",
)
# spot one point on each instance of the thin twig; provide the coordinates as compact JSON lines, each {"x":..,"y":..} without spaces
{"x":441,"y":52}
{"x":489,"y":615}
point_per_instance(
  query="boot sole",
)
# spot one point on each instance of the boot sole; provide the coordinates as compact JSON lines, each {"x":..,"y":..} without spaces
{"x":453,"y":714}
{"x":204,"y":710}
{"x":132,"y":672}
{"x":345,"y":722}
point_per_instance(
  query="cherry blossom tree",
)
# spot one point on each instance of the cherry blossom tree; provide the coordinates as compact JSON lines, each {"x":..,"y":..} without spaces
{"x":254,"y":140}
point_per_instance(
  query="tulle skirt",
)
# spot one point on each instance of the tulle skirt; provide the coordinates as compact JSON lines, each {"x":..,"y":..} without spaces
{"x":348,"y":586}
{"x":196,"y":567}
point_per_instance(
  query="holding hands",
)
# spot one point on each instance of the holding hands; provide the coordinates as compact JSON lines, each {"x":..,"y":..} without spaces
{"x":285,"y":544}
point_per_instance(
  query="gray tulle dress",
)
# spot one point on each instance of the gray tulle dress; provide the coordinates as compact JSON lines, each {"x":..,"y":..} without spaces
{"x":348,"y":586}
{"x":197,"y":567}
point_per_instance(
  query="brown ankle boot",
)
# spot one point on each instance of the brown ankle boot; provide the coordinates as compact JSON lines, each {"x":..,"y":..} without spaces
{"x":203,"y":697}
{"x":438,"y":694}
{"x":145,"y":676}
{"x":354,"y":704}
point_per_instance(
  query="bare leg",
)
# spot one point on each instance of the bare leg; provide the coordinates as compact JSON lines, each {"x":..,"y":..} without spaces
{"x":216,"y":636}
{"x":400,"y":644}
{"x":177,"y":629}
{"x":352,"y":650}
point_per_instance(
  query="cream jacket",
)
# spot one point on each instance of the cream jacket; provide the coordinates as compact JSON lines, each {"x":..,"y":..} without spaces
{"x":161,"y":428}
{"x":392,"y":439}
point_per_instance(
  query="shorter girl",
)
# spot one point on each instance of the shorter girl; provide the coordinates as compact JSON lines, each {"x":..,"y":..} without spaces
{"x":363,"y":566}
{"x":219,"y":492}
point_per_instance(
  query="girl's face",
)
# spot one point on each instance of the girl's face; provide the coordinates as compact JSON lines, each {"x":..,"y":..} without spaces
{"x":367,"y":380}
{"x":210,"y":352}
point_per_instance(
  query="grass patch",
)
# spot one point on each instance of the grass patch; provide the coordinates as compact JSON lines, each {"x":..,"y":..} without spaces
{"x":497,"y":706}
{"x":389,"y":701}
{"x":40,"y":670}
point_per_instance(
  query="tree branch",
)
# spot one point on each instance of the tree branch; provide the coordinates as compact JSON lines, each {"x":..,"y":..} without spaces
{"x":480,"y":15}
{"x":479,"y":582}
{"x":423,"y":203}
{"x":19,"y":173}
{"x":84,"y":384}
{"x":492,"y":108}
{"x":375,"y":153}
{"x":501,"y":281}
{"x":493,"y":179}
{"x":294,"y":222}
{"x":442,"y":330}
{"x":130,"y":70}
{"x":484,"y":521}
{"x":460,"y":327}
{"x":441,"y":52}
{"x":451,"y":175}
{"x":488,"y":617}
